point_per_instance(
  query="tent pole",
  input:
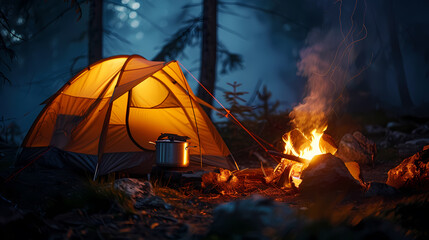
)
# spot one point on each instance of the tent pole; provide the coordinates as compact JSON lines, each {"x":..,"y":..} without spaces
{"x":196,"y":123}
{"x":236,"y":165}
{"x":95,"y":173}
{"x":103,"y":134}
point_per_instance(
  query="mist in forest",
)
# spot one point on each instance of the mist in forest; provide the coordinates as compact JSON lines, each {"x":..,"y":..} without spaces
{"x":367,"y":50}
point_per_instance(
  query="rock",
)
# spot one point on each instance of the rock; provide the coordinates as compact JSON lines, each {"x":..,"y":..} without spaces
{"x":421,"y":130}
{"x":224,"y":180}
{"x":394,"y":125}
{"x":393,"y":138}
{"x":328,"y":175}
{"x":375,"y":130}
{"x":412,"y":173}
{"x":410,"y":147}
{"x":250,"y":218}
{"x":134,"y":188}
{"x":377,"y":189}
{"x":357,"y":148}
{"x":151,"y":202}
{"x":354,"y":170}
{"x":141,"y":192}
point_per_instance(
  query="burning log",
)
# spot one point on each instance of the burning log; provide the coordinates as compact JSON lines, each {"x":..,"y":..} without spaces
{"x":278,"y":171}
{"x":327,"y":144}
{"x":289,"y":157}
{"x":297,"y":140}
{"x":299,"y":150}
{"x":282,"y":173}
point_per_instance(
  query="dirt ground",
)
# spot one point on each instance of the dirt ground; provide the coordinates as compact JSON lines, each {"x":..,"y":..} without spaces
{"x":49,"y":203}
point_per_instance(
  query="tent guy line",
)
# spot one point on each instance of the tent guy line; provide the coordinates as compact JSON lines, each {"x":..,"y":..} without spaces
{"x":228,"y":113}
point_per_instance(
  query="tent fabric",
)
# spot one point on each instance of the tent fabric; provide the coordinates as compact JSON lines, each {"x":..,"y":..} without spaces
{"x":116,"y":106}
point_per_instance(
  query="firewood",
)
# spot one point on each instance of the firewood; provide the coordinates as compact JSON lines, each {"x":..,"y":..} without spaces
{"x":281,"y":167}
{"x":298,"y":141}
{"x":288,"y":156}
{"x":327,"y":144}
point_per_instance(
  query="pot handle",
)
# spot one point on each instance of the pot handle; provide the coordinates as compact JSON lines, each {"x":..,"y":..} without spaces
{"x":186,"y":148}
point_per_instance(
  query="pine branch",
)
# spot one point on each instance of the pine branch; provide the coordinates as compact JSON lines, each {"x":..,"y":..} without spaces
{"x":184,"y":37}
{"x":229,"y":61}
{"x":268,"y":11}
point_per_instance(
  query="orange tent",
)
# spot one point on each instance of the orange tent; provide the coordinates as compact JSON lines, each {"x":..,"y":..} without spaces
{"x":104,"y":118}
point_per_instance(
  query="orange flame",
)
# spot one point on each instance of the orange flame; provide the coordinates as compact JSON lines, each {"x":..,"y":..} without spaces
{"x":307,"y":149}
{"x":311,"y":150}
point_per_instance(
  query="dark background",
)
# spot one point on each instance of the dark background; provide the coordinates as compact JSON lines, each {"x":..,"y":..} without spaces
{"x":351,"y":56}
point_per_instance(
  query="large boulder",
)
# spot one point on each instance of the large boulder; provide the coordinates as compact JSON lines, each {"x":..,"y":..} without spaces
{"x":327,"y":175}
{"x":357,"y":148}
{"x":412,"y":173}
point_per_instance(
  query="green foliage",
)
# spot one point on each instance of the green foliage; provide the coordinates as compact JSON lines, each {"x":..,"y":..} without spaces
{"x":235,"y":100}
{"x":266,"y":109}
{"x":234,"y":136}
{"x":188,"y":35}
{"x":20,"y":22}
{"x":229,"y":61}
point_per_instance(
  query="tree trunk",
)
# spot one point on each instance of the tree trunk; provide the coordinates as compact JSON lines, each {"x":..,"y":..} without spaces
{"x":95,"y":46}
{"x":208,"y":52}
{"x":398,"y":63}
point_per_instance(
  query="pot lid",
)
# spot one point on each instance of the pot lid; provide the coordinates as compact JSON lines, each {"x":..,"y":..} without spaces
{"x":172,"y":137}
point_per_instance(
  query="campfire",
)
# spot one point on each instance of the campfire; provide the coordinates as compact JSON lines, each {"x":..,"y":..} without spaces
{"x":300,"y":149}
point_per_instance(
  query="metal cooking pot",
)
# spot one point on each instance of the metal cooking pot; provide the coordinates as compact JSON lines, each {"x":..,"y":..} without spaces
{"x":172,"y":150}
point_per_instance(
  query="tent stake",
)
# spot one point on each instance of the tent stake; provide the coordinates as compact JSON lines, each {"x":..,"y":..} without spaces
{"x":95,"y":173}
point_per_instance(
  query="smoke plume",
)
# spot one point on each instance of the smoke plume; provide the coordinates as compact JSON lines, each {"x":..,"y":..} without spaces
{"x":326,"y":63}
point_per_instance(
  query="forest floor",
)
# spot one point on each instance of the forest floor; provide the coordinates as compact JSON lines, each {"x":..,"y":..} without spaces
{"x":43,"y":203}
{"x":46,"y":203}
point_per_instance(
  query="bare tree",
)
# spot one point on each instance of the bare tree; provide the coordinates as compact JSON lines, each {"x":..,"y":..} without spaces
{"x":208,"y":51}
{"x":95,"y":46}
{"x":398,"y":63}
